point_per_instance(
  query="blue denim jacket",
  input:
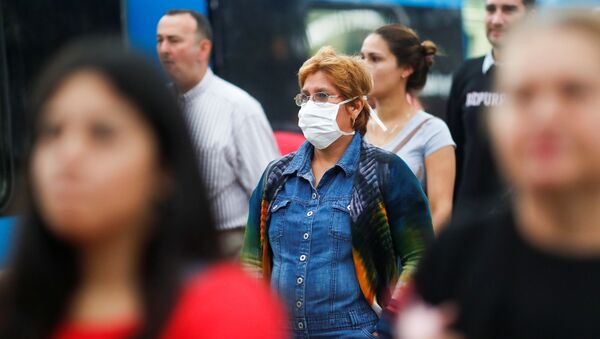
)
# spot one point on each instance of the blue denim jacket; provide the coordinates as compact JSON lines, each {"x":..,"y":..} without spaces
{"x":313,"y":269}
{"x":390,"y":226}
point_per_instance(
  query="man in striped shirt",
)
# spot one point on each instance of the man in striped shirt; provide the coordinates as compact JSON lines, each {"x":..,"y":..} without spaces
{"x":232,"y":134}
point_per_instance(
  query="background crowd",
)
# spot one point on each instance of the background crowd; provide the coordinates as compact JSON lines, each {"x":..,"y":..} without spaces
{"x":160,"y":207}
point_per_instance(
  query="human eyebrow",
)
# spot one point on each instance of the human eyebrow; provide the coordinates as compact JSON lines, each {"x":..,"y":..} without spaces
{"x":323,"y":89}
{"x":374,"y":55}
{"x":173,"y":37}
{"x":509,"y":8}
{"x":490,"y":8}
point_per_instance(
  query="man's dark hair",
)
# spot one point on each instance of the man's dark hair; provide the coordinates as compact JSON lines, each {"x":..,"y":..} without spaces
{"x":202,"y":25}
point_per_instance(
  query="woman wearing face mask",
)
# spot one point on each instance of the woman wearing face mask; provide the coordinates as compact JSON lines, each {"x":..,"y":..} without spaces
{"x":329,"y":224}
{"x":534,"y":270}
{"x":118,"y":242}
{"x":399,"y":63}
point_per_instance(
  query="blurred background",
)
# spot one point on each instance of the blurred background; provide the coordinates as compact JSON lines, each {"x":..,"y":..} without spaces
{"x":258,"y":45}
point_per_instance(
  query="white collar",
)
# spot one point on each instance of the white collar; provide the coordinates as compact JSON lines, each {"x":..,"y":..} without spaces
{"x":488,"y":62}
{"x":200,"y":86}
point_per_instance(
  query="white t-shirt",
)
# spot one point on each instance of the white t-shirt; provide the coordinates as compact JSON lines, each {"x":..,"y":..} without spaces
{"x":431,"y":136}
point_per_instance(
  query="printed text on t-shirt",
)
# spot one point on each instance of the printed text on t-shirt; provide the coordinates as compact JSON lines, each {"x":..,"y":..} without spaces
{"x":487,"y":99}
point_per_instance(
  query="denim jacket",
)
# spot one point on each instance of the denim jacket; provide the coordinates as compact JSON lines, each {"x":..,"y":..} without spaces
{"x":389,"y":217}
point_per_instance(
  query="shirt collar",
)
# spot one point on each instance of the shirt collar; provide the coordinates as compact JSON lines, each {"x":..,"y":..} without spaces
{"x":348,"y":162}
{"x":488,"y":62}
{"x":200,"y":87}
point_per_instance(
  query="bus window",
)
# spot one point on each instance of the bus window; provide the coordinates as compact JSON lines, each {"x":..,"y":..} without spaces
{"x":343,"y":29}
{"x":344,"y":25}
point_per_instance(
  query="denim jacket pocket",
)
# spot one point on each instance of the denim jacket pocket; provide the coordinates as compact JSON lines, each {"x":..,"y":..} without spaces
{"x":340,"y":220}
{"x":277,"y":218}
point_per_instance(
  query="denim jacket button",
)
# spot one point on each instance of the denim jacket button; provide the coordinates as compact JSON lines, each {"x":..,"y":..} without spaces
{"x":305,"y":236}
{"x":300,"y":325}
{"x":302,"y":257}
{"x":299,"y":280}
{"x":310,"y":213}
{"x":314,"y":195}
{"x":298,"y":303}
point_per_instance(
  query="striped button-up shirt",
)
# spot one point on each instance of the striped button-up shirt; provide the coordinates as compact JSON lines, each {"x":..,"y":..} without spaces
{"x":234,"y":142}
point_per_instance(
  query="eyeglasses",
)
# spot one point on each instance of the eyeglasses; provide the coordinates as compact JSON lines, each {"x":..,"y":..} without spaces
{"x":319,"y":97}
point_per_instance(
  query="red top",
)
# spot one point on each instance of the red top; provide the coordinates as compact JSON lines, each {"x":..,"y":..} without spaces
{"x":288,"y":142}
{"x":221,"y":302}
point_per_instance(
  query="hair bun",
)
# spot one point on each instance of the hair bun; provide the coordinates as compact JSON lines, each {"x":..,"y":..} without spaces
{"x":429,"y":50}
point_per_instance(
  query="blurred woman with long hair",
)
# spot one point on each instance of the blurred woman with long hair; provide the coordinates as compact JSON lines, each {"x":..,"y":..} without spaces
{"x":118,"y":240}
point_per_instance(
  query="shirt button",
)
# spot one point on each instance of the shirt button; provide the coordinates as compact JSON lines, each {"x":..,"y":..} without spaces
{"x":298,"y":303}
{"x":310,"y":213}
{"x":302,"y":257}
{"x":299,"y":280}
{"x":314,"y":195}
{"x":305,"y":236}
{"x":300,"y":325}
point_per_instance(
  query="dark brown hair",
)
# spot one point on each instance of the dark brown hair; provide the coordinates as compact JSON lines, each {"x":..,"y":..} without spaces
{"x":528,"y":3}
{"x":409,"y":51}
{"x":202,"y":25}
{"x":182,"y":234}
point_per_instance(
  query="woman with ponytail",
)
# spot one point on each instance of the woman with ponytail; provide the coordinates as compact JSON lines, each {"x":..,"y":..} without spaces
{"x":399,"y":62}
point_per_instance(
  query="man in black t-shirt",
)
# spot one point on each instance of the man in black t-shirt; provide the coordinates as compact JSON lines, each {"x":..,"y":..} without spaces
{"x":472,"y":92}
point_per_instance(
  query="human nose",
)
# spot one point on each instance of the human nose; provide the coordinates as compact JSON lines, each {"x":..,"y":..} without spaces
{"x":70,"y":149}
{"x":163,"y":47}
{"x":498,"y":18}
{"x":546,"y":110}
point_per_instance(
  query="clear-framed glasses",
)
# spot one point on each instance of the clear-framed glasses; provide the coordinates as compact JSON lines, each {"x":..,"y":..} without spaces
{"x":319,"y":98}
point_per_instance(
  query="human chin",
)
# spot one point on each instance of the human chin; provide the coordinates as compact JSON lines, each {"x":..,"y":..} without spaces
{"x":548,"y":174}
{"x":495,"y":37}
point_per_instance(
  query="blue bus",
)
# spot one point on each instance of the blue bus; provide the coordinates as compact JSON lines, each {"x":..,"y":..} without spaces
{"x":259,"y":45}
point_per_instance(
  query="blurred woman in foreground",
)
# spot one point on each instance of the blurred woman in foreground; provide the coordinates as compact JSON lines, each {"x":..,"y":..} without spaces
{"x":118,"y":242}
{"x":534,"y":271}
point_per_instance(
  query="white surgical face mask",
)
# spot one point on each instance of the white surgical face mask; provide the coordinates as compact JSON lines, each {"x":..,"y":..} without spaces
{"x":318,"y":123}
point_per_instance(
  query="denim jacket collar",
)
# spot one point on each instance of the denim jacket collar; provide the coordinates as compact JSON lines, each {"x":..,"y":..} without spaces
{"x":301,"y":163}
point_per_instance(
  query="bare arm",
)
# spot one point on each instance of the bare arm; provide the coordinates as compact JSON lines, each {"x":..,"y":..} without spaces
{"x":440,"y":167}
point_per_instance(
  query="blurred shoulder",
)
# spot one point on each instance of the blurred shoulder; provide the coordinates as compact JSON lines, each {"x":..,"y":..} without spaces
{"x":224,"y":282}
{"x":470,"y":68}
{"x":432,"y":122}
{"x":463,"y":249}
{"x":235,"y":96}
{"x":223,"y":301}
{"x":434,"y":134}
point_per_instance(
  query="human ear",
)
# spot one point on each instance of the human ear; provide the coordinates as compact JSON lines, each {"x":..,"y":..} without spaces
{"x":355,"y":107}
{"x":406,"y":72}
{"x":205,"y":49}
